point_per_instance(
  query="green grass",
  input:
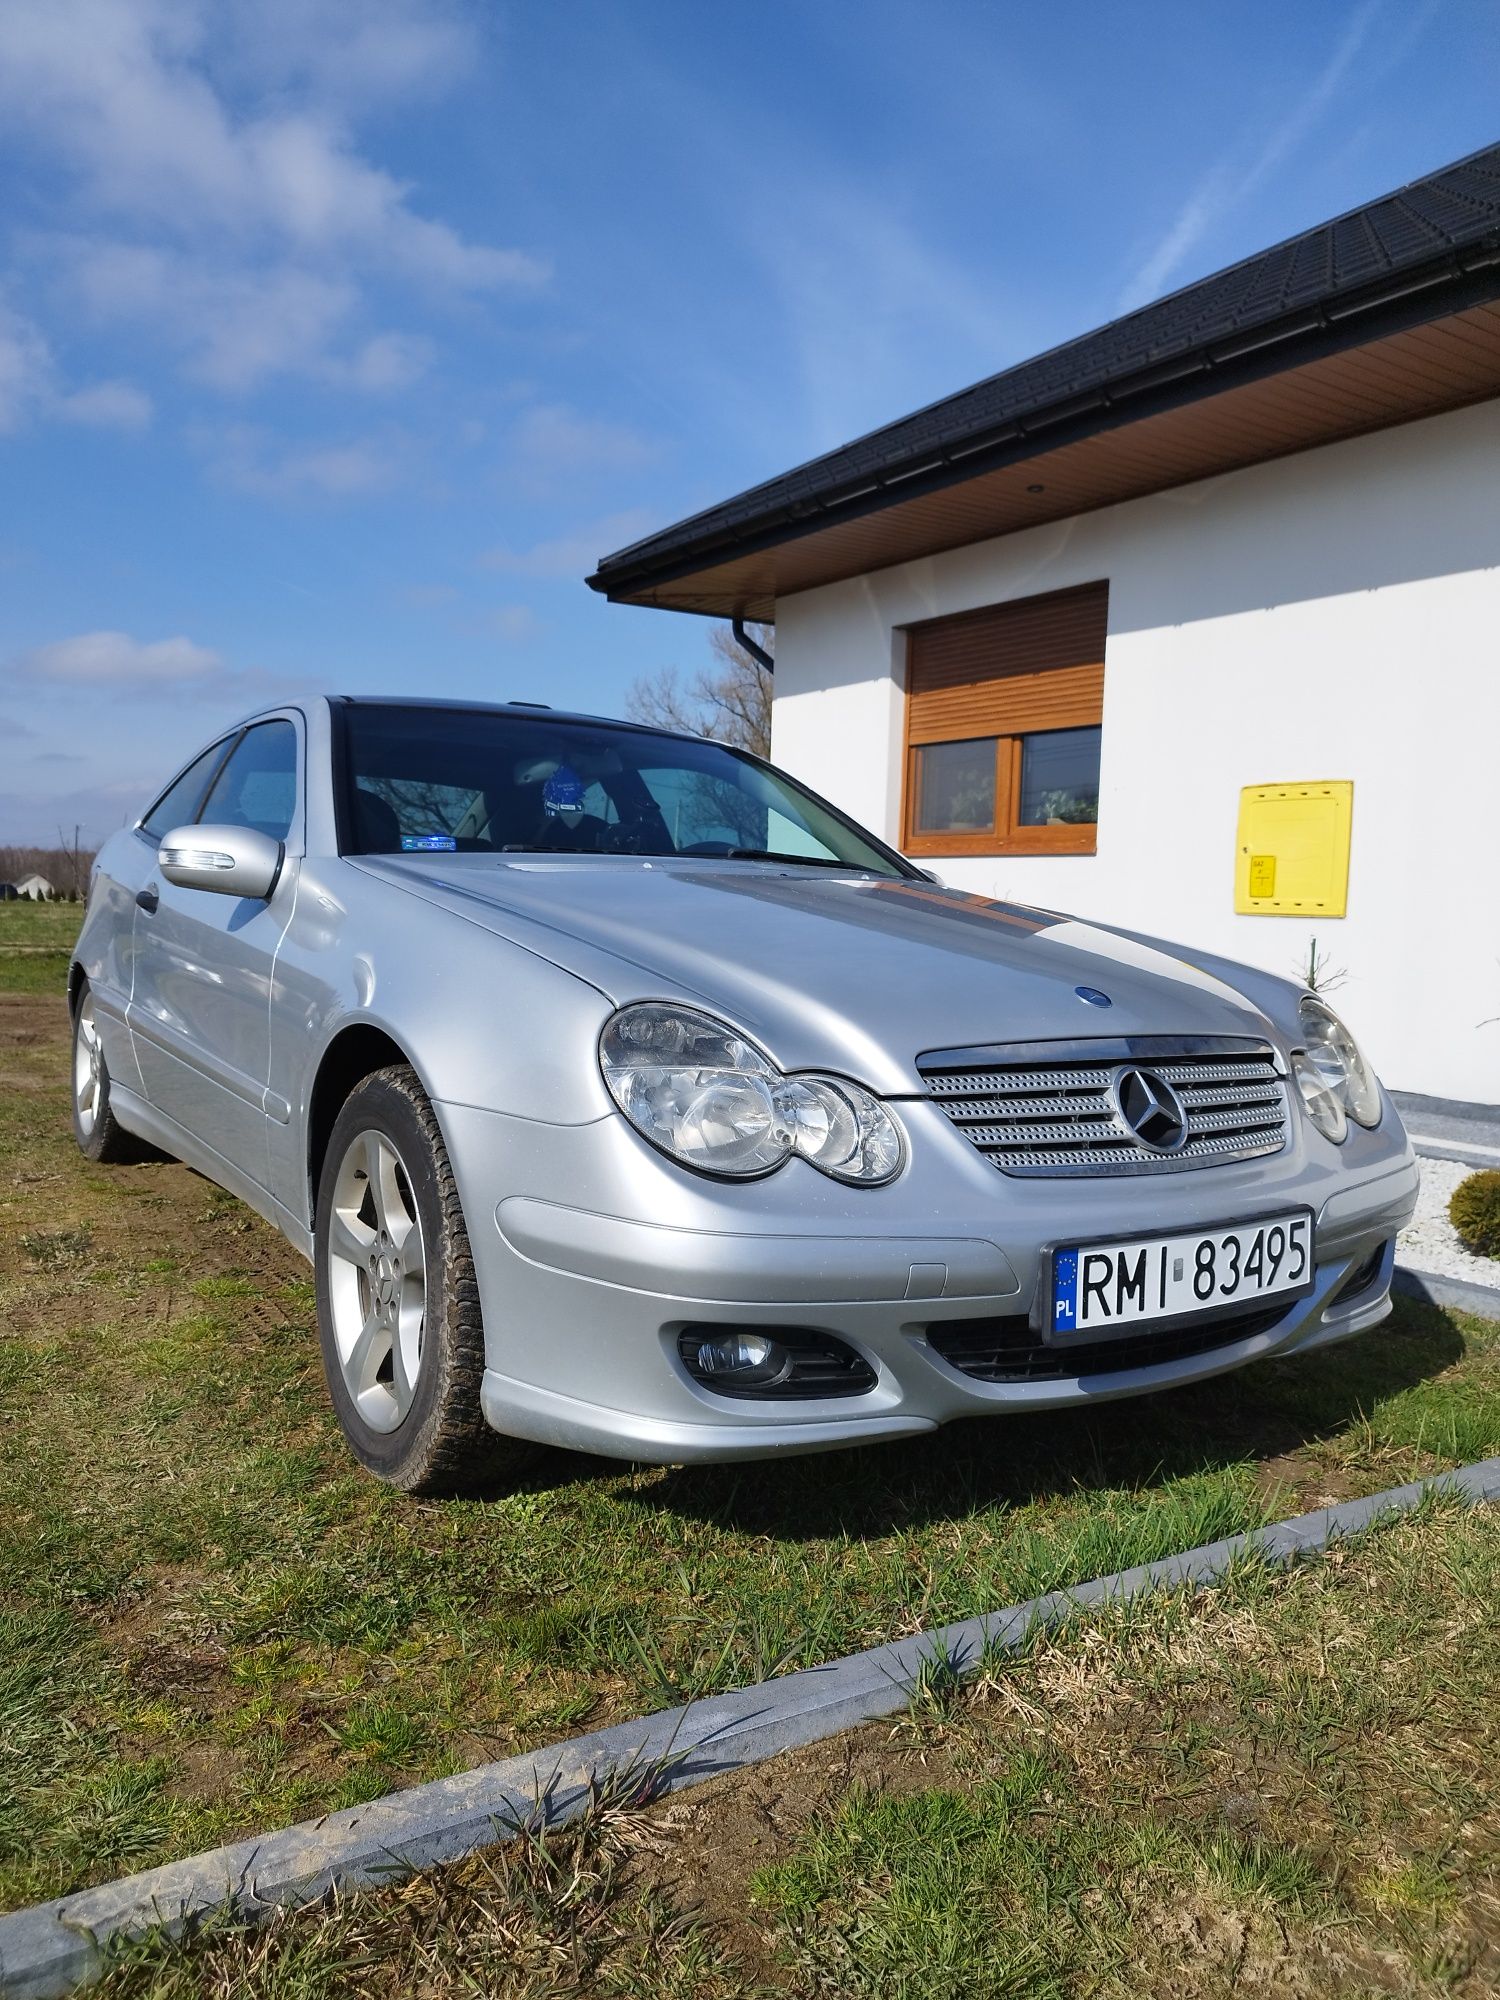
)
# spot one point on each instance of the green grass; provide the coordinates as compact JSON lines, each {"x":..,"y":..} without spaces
{"x":218,"y":1624}
{"x":36,"y":942}
{"x":27,"y":923}
{"x":1286,"y":1785}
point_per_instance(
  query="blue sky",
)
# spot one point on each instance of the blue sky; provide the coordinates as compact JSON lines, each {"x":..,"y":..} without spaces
{"x":338,"y":337}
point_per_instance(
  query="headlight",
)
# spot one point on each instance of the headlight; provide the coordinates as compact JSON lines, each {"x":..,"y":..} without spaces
{"x":697,"y":1089}
{"x":1320,"y":1100}
{"x":1335,"y":1055}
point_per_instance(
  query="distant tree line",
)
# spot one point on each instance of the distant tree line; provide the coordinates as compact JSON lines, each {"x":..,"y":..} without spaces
{"x":66,"y":868}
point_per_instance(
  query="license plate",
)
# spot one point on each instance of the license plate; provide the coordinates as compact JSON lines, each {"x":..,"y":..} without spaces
{"x":1103,"y":1288}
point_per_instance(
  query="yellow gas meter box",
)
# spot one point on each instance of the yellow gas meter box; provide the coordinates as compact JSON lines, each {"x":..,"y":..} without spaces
{"x":1292,"y":854}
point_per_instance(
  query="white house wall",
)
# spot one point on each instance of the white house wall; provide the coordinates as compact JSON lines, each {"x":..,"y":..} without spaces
{"x":1333,"y":615}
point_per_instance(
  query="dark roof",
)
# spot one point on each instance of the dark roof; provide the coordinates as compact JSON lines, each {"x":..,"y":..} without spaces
{"x":544,"y":710}
{"x":1421,"y":252}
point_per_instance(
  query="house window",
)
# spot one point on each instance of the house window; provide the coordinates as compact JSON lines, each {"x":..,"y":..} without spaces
{"x":1003,"y":727}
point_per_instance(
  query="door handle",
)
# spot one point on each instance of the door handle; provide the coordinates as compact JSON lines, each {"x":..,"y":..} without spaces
{"x":148,"y":898}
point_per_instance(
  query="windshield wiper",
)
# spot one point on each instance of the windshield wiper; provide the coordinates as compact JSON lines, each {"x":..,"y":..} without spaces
{"x":801,"y":860}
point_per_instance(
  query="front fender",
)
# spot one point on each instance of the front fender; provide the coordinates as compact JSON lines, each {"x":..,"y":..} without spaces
{"x":482,"y":1021}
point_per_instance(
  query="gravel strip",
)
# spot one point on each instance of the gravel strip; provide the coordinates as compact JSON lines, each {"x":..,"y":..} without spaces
{"x":1430,"y":1242}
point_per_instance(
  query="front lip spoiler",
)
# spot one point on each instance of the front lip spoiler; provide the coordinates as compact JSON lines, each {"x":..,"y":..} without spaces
{"x":545,"y":1415}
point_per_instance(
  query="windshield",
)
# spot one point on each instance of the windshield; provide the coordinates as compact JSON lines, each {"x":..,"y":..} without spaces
{"x":489,"y":781}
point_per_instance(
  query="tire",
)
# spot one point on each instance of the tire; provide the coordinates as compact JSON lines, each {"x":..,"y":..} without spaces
{"x":99,"y":1133}
{"x":398,"y":1302}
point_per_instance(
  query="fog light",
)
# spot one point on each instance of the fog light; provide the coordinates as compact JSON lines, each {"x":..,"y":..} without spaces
{"x":743,"y":1357}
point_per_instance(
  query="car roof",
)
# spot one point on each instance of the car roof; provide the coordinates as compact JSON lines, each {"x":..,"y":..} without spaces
{"x":541,"y":708}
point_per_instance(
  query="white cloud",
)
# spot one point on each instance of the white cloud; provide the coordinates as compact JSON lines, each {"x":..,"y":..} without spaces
{"x":29,"y":385}
{"x":236,"y":325}
{"x":123,"y":94}
{"x":574,"y":554}
{"x":107,"y":405}
{"x":115,"y":661}
{"x":157,"y":683}
{"x":25,"y":368}
{"x":253,"y":462}
{"x":389,"y":361}
{"x":243,"y":229}
{"x":356,"y":51}
{"x":1231,"y":180}
{"x":552,"y":439}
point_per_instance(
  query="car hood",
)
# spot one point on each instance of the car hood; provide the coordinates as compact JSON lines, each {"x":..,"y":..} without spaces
{"x":828,"y":970}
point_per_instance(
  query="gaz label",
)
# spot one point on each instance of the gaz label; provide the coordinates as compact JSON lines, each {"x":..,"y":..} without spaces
{"x":1263,"y":874}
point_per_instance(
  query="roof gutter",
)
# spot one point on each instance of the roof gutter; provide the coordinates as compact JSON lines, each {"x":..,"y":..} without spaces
{"x":757,"y":653}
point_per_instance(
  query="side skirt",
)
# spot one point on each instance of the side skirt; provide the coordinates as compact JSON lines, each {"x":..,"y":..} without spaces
{"x":137,"y":1116}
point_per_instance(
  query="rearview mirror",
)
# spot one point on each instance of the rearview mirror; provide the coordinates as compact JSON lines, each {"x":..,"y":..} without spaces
{"x":227,"y":860}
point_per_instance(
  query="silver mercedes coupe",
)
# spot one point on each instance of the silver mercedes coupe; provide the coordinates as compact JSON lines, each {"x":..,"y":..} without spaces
{"x":627,"y":1096}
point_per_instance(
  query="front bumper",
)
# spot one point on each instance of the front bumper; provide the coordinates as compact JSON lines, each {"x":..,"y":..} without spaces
{"x":584,"y":1298}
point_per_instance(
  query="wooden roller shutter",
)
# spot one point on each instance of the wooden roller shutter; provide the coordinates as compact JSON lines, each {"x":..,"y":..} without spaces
{"x":1000,"y":675}
{"x":1037,"y":663}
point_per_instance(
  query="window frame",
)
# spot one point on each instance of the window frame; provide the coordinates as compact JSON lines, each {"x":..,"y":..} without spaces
{"x":242,"y":737}
{"x":225,"y":746}
{"x":1007,"y":835}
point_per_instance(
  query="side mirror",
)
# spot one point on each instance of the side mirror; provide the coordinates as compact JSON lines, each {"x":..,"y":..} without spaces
{"x":227,"y":860}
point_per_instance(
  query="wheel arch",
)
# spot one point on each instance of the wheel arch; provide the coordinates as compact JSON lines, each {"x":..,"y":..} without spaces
{"x":355,"y":1052}
{"x":77,"y":980}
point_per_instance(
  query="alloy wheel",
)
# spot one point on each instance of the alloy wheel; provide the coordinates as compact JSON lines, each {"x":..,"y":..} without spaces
{"x":88,"y":1067}
{"x":377,"y":1280}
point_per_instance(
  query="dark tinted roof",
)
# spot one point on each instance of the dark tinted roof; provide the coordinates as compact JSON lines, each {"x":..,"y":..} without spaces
{"x":1427,"y":237}
{"x":538,"y":708}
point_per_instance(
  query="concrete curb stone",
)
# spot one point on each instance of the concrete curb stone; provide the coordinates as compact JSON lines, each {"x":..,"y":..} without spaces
{"x":1456,"y":1294}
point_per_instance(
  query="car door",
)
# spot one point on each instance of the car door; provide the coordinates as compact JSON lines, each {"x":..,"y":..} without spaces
{"x":126,"y":866}
{"x":200,"y":1007}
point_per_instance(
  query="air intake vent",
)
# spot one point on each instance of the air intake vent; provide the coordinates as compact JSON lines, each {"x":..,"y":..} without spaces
{"x":1081,"y":1107}
{"x":1006,"y":1350}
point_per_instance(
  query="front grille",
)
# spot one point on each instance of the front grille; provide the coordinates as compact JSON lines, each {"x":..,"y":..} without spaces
{"x":1047,"y":1108}
{"x":1008,"y":1350}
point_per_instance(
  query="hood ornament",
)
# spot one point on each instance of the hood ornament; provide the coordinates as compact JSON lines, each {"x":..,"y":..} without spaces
{"x":1093,"y":996}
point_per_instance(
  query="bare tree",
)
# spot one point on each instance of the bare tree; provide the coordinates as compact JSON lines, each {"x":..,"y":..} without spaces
{"x":72,"y":853}
{"x":65,"y":867}
{"x":729,"y":699}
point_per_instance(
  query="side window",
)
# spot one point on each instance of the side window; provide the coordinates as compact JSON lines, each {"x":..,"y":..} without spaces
{"x":178,"y":804}
{"x":258,"y":786}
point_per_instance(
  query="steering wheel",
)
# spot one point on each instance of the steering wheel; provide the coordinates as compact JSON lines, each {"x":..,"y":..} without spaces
{"x":638,"y":833}
{"x":709,"y":847}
